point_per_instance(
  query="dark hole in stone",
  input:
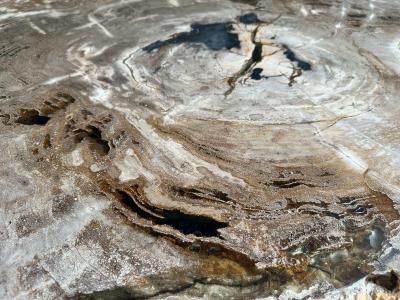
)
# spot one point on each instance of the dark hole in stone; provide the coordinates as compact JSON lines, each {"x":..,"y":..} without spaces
{"x":94,"y":132}
{"x":302,"y":64}
{"x":388,"y":281}
{"x":94,"y":136}
{"x":250,"y":18}
{"x":191,"y":224}
{"x":256,"y":56}
{"x":216,"y":36}
{"x":31,"y":117}
{"x":222,"y":196}
{"x":256,"y":74}
{"x":185,"y":223}
{"x":99,"y":145}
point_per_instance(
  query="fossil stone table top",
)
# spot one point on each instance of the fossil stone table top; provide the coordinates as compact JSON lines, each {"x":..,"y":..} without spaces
{"x":199,"y":149}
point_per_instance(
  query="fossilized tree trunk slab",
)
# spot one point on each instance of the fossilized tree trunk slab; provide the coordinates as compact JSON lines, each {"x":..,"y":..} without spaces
{"x":199,"y":149}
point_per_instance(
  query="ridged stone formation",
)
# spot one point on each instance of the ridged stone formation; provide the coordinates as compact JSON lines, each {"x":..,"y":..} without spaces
{"x":199,"y":149}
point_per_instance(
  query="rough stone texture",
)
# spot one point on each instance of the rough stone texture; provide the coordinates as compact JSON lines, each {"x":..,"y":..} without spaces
{"x":189,"y":149}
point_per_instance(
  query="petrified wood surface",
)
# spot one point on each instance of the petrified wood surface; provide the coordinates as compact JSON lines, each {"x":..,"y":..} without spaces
{"x":199,"y":149}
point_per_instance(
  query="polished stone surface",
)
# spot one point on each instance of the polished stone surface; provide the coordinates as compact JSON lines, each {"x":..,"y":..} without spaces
{"x":198,"y":149}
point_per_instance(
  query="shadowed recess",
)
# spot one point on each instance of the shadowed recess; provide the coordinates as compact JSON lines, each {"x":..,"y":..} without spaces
{"x":290,"y":55}
{"x":197,"y":225}
{"x":185,"y":223}
{"x":216,"y":36}
{"x":250,"y":18}
{"x":256,"y":74}
{"x":31,"y":117}
{"x":94,"y":136}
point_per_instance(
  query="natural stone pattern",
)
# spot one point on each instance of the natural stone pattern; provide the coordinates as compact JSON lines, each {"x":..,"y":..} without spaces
{"x":190,"y":149}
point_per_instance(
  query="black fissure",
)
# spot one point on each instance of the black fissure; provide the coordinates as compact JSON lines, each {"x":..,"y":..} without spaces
{"x":216,"y":36}
{"x":31,"y":117}
{"x":183,"y":222}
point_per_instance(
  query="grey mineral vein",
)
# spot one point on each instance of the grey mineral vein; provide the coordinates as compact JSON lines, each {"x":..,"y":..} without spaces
{"x":198,"y":149}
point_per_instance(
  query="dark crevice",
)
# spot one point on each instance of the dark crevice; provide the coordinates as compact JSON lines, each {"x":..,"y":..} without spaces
{"x":189,"y":193}
{"x":249,"y":2}
{"x":357,"y":15}
{"x":201,"y":247}
{"x":129,"y":202}
{"x":185,"y":223}
{"x":31,"y":117}
{"x":191,"y":224}
{"x":94,"y":136}
{"x":332,"y":214}
{"x":290,"y":183}
{"x":250,"y":18}
{"x":318,"y":3}
{"x":200,"y":194}
{"x":290,"y":55}
{"x":222,"y":196}
{"x":256,"y":74}
{"x":216,"y":36}
{"x":256,"y":57}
